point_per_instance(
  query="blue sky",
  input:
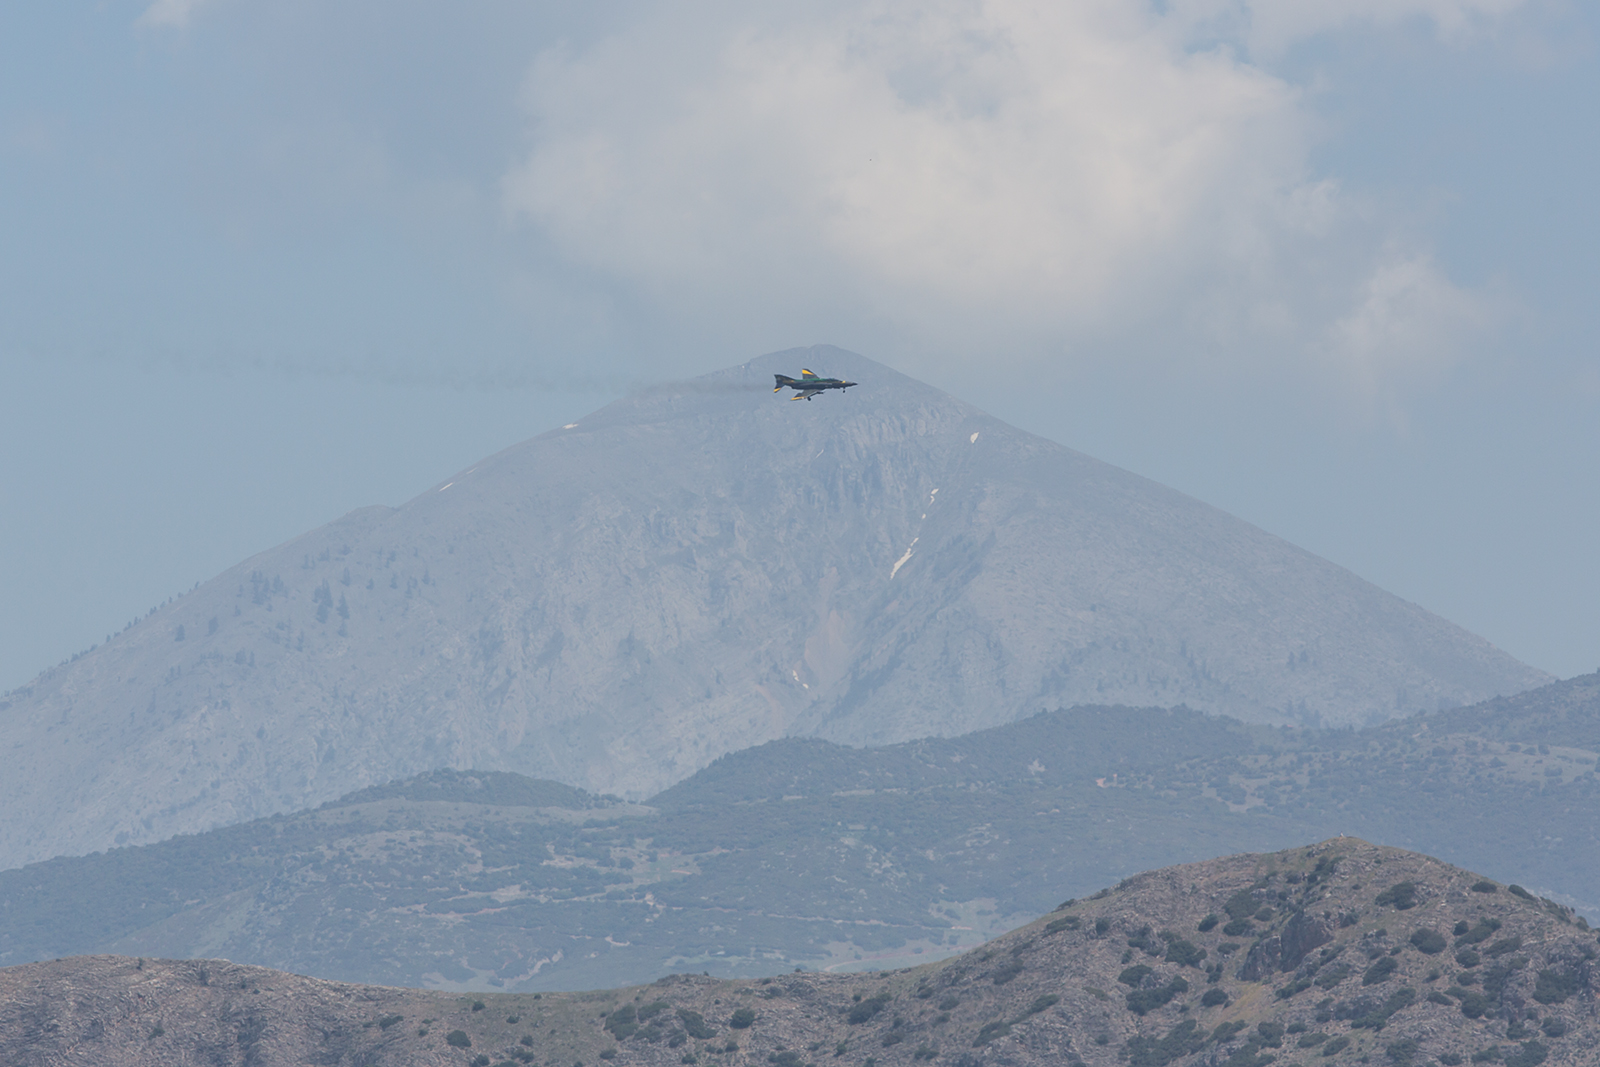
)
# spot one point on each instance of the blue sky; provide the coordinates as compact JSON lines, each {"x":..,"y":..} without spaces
{"x":1329,"y":266}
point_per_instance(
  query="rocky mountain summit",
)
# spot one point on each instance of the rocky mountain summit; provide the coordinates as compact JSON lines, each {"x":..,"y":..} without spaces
{"x":1336,"y":953}
{"x":690,"y":572}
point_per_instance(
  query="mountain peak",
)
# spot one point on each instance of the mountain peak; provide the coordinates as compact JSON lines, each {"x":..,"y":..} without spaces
{"x":696,"y":569}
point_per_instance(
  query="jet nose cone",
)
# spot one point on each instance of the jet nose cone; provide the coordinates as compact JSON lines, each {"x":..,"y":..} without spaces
{"x":849,"y":383}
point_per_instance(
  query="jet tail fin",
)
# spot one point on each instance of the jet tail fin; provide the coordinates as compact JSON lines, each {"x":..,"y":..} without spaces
{"x":783,"y":380}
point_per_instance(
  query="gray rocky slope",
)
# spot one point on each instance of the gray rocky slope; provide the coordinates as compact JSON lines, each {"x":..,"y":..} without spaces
{"x":1340,"y":954}
{"x":692,"y":571}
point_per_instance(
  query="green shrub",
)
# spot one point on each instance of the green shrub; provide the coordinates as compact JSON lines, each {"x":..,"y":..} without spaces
{"x":1468,"y":958}
{"x":1403,"y":895}
{"x":1141,"y":1001}
{"x":991,"y":1032}
{"x":623,"y":1022}
{"x":1332,"y":976}
{"x":1055,"y":926}
{"x":1270,"y":1034}
{"x":741,"y":1019}
{"x":1378,"y":1017}
{"x":866,"y":1009}
{"x":1241,"y":904}
{"x":1209,"y":923}
{"x":1145,"y":942}
{"x":1336,"y":1046}
{"x":477,"y":1005}
{"x":458,"y":1039}
{"x":1380,"y":971}
{"x":1180,"y":1041}
{"x":1212,"y":998}
{"x":1530,"y":1054}
{"x":1007,"y":971}
{"x":1480,"y":933}
{"x":1428,"y":942}
{"x":1238,"y":928}
{"x":1485,"y":886}
{"x":1503,"y":946}
{"x":1185,"y":953}
{"x":1101,"y":926}
{"x":1402,"y":1052}
{"x":1226,"y":1030}
{"x":1132,"y":976}
{"x":1554,"y":987}
{"x":1473,"y":1004}
{"x":652,"y":1009}
{"x":1311,"y":1040}
{"x":694,"y":1024}
{"x":1518,"y":891}
{"x":1040,"y":1003}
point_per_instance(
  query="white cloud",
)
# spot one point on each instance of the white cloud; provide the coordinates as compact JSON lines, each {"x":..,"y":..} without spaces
{"x":1407,"y":323}
{"x":174,"y":13}
{"x":968,"y":173}
{"x":1271,"y":25}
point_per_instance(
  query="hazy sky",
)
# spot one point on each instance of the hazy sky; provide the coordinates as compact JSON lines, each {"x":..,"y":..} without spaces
{"x":1330,"y":265}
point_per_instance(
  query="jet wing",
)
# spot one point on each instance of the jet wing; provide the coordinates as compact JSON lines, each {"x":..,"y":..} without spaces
{"x":805,"y":394}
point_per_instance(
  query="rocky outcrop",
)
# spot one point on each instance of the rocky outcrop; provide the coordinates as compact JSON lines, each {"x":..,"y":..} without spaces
{"x":1301,"y":934}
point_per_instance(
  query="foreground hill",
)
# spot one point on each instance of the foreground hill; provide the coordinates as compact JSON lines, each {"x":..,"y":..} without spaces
{"x":690,"y":572}
{"x":1334,"y":954}
{"x":801,"y":852}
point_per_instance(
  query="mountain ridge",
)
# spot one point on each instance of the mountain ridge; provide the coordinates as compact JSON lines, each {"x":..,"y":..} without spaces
{"x":1335,"y":953}
{"x":802,"y":852}
{"x":690,"y":572}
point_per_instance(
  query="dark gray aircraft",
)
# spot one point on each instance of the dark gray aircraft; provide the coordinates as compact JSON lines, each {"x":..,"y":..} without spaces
{"x":808,"y":384}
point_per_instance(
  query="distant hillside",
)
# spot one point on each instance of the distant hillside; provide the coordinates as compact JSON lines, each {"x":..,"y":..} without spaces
{"x":1339,"y":953}
{"x":801,"y":852}
{"x":690,"y":572}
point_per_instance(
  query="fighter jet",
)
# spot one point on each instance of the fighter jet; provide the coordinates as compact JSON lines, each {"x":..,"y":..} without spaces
{"x":808,"y":385}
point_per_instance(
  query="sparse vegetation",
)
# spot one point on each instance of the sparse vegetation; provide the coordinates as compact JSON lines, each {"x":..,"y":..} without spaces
{"x":1403,"y":895}
{"x":1429,"y":942}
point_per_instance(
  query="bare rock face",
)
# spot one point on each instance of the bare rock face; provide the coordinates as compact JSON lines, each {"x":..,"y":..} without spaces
{"x":1301,"y":934}
{"x":689,"y":572}
{"x":1059,"y":991}
{"x":1284,"y":950}
{"x":1264,"y":959}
